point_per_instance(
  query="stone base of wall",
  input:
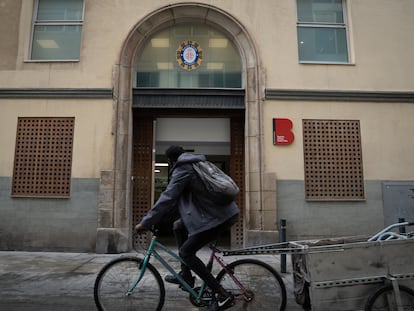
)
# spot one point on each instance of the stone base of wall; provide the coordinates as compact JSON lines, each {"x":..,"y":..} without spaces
{"x":328,"y":219}
{"x":259,"y":237}
{"x":50,"y":224}
{"x":111,"y":241}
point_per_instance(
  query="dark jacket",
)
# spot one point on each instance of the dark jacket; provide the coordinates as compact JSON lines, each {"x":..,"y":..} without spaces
{"x":197,"y":211}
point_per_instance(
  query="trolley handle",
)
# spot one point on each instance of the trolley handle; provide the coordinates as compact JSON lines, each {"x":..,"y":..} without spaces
{"x":387,"y":234}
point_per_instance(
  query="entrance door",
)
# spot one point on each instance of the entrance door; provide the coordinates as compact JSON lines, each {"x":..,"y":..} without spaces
{"x":220,"y":139}
{"x":208,"y":136}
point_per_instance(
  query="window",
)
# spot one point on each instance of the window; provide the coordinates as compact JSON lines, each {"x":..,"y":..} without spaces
{"x":43,"y":157}
{"x":333,"y":160}
{"x":159,"y":62}
{"x":322,"y":31}
{"x":57,"y":30}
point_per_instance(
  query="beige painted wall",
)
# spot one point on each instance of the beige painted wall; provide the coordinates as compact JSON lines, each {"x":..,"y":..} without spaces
{"x":379,"y":30}
{"x":386,"y":135}
{"x":93,"y":141}
{"x":381,"y":53}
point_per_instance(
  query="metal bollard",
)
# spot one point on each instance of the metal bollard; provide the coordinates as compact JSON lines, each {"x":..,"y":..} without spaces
{"x":282,"y":239}
{"x":401,"y":229}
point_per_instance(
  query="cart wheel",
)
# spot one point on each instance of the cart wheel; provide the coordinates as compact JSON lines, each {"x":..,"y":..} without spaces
{"x":384,"y":299}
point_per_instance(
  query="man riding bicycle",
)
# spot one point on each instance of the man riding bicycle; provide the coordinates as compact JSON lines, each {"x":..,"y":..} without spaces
{"x":203,"y":220}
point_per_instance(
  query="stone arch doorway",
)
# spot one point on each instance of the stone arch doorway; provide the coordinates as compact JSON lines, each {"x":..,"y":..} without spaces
{"x":115,"y":221}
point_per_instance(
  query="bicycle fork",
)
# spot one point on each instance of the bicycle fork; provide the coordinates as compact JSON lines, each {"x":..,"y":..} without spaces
{"x":141,"y":268}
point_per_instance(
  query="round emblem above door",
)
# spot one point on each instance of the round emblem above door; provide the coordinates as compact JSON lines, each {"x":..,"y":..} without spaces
{"x":189,"y":55}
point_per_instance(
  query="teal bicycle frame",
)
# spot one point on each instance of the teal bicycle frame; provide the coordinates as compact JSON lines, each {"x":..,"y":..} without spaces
{"x":240,"y":278}
{"x":152,"y":251}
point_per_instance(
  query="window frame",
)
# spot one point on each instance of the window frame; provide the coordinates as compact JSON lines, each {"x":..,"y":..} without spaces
{"x":181,"y":78}
{"x":326,"y":25}
{"x":36,"y":22}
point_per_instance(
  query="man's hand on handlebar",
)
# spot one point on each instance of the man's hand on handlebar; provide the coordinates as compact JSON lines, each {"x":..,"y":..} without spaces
{"x":140,"y":229}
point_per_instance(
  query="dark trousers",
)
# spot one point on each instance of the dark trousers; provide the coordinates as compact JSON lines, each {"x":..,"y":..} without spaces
{"x":188,"y":248}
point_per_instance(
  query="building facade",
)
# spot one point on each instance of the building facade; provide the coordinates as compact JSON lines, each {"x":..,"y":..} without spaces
{"x":307,"y":104}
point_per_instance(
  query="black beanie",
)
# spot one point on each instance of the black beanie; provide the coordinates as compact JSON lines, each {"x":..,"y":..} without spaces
{"x":173,"y":152}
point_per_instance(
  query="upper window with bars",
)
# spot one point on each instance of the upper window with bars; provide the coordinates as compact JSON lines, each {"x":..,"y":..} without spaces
{"x":322,"y":31}
{"x":57,"y":30}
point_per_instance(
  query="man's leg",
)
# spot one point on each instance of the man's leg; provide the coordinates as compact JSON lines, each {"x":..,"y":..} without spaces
{"x":181,"y":235}
{"x":195,"y":242}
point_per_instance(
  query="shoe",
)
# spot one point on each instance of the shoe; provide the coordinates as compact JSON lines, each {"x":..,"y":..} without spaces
{"x":188,"y":278}
{"x":221,"y":302}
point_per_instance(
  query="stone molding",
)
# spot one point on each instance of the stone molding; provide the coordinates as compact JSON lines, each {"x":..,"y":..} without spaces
{"x":56,"y":93}
{"x":336,"y":95}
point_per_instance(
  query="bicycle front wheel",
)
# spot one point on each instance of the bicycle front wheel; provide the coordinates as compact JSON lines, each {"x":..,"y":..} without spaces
{"x":384,"y":299}
{"x":255,"y":285}
{"x":114,"y":282}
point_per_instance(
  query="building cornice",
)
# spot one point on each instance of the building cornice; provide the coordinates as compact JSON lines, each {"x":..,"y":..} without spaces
{"x":345,"y":96}
{"x":279,"y":94}
{"x":56,"y":93}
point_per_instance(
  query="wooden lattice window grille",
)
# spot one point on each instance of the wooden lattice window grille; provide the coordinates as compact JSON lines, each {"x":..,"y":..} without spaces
{"x":333,"y":160}
{"x":237,"y":173}
{"x":43,"y":157}
{"x":142,"y":200}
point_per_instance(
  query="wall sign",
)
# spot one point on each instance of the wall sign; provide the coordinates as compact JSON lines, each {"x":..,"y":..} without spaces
{"x":282,"y":131}
{"x":189,"y":55}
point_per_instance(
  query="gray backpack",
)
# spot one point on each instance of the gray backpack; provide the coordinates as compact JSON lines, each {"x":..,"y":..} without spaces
{"x":220,"y":187}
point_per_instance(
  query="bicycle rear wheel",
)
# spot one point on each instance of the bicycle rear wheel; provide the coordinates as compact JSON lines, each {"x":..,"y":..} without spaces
{"x":263,"y":287}
{"x":118,"y":276}
{"x":384,"y":299}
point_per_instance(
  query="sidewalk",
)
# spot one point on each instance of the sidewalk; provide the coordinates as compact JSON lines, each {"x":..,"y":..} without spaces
{"x":45,"y":281}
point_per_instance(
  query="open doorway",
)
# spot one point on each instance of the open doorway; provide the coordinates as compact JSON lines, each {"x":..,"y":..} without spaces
{"x":218,"y":134}
{"x":208,"y":136}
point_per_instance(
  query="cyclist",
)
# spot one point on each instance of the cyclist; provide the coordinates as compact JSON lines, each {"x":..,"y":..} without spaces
{"x":203,"y":220}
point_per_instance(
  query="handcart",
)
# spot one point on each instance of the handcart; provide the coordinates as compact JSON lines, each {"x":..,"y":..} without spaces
{"x":350,"y":273}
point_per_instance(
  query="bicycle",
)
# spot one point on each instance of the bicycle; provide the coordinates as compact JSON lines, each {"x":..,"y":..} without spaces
{"x":133,"y":283}
{"x":392,"y":296}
